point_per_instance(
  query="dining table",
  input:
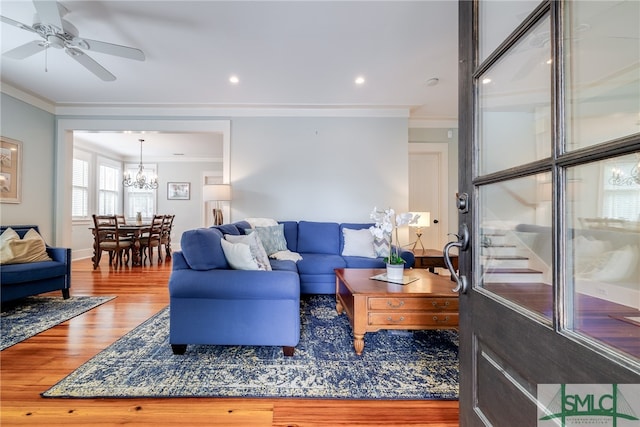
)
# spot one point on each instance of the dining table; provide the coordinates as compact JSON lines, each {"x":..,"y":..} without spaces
{"x":133,"y":231}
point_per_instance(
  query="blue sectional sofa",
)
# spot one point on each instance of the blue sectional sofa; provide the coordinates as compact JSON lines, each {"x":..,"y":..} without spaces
{"x":23,"y":280}
{"x":210,"y":303}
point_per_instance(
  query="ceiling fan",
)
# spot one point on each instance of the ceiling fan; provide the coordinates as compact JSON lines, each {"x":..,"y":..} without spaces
{"x":61,"y":34}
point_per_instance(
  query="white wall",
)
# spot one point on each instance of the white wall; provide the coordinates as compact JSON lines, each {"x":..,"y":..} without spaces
{"x":36,"y":129}
{"x":189,"y":213}
{"x":318,"y":168}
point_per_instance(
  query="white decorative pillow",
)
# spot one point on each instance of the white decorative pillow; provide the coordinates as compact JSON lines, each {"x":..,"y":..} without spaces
{"x":238,"y":256}
{"x":272,"y":238}
{"x":358,"y":243}
{"x":31,"y":248}
{"x":618,"y":265}
{"x":261,"y":222}
{"x":255,"y":246}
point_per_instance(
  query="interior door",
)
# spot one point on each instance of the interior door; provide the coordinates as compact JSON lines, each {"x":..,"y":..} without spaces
{"x":427,"y":186}
{"x":549,"y":156}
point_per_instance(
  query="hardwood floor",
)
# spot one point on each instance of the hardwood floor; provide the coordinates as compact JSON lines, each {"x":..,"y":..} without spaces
{"x":31,"y":367}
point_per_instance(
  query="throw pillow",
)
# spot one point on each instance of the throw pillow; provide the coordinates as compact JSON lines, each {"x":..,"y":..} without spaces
{"x":381,"y":245}
{"x":202,"y":250}
{"x":261,"y":222}
{"x":31,"y":248}
{"x":238,"y":256}
{"x":272,"y":238}
{"x":5,"y":248}
{"x":255,"y":246}
{"x":358,"y":243}
{"x":618,"y":265}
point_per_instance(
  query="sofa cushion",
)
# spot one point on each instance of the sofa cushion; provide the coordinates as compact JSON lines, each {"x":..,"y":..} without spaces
{"x":31,"y":272}
{"x":14,"y":250}
{"x":272,"y":238}
{"x":358,"y":243}
{"x":291,"y":234}
{"x":320,"y":263}
{"x":231,"y":229}
{"x":202,"y":249}
{"x":362,"y":262}
{"x":239,"y":255}
{"x":283,"y":265}
{"x":255,"y":246}
{"x":319,"y":237}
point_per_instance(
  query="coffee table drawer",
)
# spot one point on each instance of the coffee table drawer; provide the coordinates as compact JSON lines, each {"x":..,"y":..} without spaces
{"x":413,"y":319}
{"x":419,"y":304}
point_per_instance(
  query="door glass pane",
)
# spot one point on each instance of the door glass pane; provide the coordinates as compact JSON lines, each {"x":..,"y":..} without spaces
{"x":515,"y":242}
{"x":602,"y":76}
{"x":603,"y":244}
{"x":515,"y":105}
{"x":498,"y":19}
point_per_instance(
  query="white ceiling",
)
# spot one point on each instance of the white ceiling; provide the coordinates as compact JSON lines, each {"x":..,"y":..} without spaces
{"x":286,"y":54}
{"x":157,"y":146}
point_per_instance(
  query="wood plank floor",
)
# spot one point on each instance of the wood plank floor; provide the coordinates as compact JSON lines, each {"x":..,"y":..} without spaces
{"x":31,"y":367}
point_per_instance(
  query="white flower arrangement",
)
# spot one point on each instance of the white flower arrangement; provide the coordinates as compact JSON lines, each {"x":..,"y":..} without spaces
{"x":385,"y":223}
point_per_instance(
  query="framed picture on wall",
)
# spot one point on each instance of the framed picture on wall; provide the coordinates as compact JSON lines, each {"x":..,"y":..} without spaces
{"x":10,"y":170}
{"x":178,"y":190}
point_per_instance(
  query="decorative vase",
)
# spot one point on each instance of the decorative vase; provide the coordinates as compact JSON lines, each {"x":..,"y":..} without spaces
{"x":395,"y":271}
{"x":139,"y":218}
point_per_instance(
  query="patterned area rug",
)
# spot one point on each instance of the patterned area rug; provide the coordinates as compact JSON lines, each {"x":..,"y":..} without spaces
{"x":418,"y":365}
{"x":32,"y":315}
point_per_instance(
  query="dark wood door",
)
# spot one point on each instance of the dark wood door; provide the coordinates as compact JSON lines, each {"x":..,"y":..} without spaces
{"x":547,"y":332}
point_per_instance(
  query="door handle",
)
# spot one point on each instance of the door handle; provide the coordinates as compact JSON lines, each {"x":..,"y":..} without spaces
{"x":462,"y":244}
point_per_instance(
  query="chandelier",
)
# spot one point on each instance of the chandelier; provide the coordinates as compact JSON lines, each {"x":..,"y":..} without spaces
{"x":618,"y":177}
{"x":141,"y":181}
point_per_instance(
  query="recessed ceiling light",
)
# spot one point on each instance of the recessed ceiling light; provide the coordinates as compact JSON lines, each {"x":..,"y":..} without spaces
{"x":360,"y":80}
{"x":234,"y":79}
{"x":486,"y":81}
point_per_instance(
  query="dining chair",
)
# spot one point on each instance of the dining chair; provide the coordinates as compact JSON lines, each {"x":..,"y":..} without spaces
{"x":151,"y":239}
{"x":165,"y":238}
{"x":107,"y":238}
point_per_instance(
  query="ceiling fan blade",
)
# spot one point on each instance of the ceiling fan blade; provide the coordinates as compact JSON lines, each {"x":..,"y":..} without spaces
{"x":25,"y":50}
{"x":90,"y":64}
{"x":16,"y":24}
{"x":48,"y":12}
{"x":108,"y":48}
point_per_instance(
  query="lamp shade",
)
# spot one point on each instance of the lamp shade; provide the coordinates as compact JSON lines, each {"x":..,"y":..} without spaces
{"x":217,"y":192}
{"x":423,"y":221}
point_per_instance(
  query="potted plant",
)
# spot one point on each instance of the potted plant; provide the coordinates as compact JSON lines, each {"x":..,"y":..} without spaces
{"x":386,"y":222}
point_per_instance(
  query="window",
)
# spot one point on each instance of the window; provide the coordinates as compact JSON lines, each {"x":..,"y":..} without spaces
{"x":80,"y":198}
{"x":621,"y":199}
{"x":138,"y":200}
{"x":109,"y":181}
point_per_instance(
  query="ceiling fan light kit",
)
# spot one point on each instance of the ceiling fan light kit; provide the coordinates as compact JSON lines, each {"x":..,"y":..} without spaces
{"x":61,"y":34}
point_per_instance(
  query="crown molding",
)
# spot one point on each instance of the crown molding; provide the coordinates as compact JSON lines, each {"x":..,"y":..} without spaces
{"x":231,"y":111}
{"x":28,"y":98}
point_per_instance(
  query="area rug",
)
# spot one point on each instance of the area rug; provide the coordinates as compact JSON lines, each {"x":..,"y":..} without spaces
{"x":409,"y":365}
{"x":32,"y":315}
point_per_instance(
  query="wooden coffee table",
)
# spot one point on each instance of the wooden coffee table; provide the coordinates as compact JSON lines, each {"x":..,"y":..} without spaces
{"x":372,"y":305}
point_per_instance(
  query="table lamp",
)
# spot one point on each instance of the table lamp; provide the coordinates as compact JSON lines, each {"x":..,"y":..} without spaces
{"x":423,"y":221}
{"x":217,"y":193}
